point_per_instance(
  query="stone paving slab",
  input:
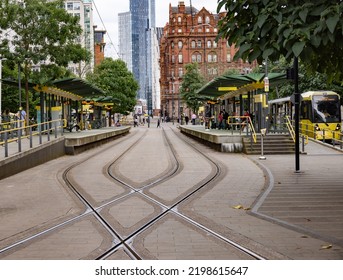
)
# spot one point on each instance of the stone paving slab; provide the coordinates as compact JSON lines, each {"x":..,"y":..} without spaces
{"x":84,"y":239}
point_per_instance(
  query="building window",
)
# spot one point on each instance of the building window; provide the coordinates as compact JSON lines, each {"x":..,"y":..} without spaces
{"x":173,"y":58}
{"x":193,"y":44}
{"x":228,"y":57}
{"x":180,"y":72}
{"x":207,"y":19}
{"x":209,"y":57}
{"x":215,"y":44}
{"x":180,"y":44}
{"x":179,"y":30}
{"x":179,"y":20}
{"x":180,"y":58}
{"x":199,"y":44}
{"x":70,"y":5}
{"x":199,"y":19}
{"x":207,"y":30}
{"x":76,"y":6}
{"x":209,"y":44}
{"x":172,"y":45}
{"x":194,"y":58}
{"x":214,"y":58}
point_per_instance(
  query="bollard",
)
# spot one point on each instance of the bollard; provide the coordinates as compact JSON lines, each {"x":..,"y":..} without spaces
{"x":263,"y":133}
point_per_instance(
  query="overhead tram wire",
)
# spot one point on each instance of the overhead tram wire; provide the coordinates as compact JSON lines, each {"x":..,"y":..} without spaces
{"x":97,"y":11}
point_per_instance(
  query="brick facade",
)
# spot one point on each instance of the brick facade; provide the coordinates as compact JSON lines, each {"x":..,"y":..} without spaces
{"x":188,"y":39}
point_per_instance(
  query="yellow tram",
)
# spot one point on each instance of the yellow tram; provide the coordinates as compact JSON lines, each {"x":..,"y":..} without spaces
{"x":320,"y":113}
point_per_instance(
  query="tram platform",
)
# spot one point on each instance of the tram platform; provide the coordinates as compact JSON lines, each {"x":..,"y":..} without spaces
{"x":219,"y":139}
{"x":26,"y":154}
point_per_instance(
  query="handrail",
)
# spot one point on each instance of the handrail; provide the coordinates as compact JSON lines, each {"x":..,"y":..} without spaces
{"x":16,"y":134}
{"x":254,"y":136}
{"x":290,"y":127}
{"x":243,"y":123}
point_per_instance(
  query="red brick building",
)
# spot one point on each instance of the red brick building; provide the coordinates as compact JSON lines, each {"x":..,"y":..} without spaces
{"x":99,"y":46}
{"x":189,"y":37}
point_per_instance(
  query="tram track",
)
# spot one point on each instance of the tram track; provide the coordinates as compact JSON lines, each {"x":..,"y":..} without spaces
{"x":126,"y":242}
{"x":173,"y":208}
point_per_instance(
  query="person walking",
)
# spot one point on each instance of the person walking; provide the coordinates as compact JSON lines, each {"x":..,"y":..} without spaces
{"x":193,"y":118}
{"x":220,"y":120}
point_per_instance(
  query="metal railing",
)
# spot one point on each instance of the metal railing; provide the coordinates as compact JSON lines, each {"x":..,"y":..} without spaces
{"x":290,"y":127}
{"x":242,"y":122}
{"x":307,"y":131}
{"x":16,"y":131}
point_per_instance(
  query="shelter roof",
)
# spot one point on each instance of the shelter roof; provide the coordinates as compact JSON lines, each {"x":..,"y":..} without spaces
{"x":228,"y":86}
{"x":72,"y":88}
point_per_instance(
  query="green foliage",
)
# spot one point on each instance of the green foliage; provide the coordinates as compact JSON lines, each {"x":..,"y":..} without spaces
{"x":43,"y":33}
{"x":310,"y":30}
{"x":192,"y":81}
{"x":113,"y":77}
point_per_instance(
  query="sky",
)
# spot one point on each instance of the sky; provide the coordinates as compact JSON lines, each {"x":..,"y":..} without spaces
{"x":109,"y":9}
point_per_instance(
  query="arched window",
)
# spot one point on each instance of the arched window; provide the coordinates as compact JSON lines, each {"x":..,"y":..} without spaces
{"x":179,"y":44}
{"x":209,"y":44}
{"x":194,"y":58}
{"x":180,"y":58}
{"x":215,"y":44}
{"x":199,"y":19}
{"x":193,"y":44}
{"x":179,"y":20}
{"x":214,"y":57}
{"x":207,"y":19}
{"x":209,"y":57}
{"x":199,"y":57}
{"x":199,"y":44}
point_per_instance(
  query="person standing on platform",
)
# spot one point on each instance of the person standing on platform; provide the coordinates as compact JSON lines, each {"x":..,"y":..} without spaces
{"x":226,"y":118}
{"x":186,"y":120}
{"x":220,"y":120}
{"x":193,"y":118}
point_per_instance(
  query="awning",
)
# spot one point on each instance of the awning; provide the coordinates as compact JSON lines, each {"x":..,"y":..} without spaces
{"x":228,"y":86}
{"x":71,"y":88}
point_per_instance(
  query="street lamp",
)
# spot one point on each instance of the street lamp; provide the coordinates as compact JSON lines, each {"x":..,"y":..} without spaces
{"x":1,"y":59}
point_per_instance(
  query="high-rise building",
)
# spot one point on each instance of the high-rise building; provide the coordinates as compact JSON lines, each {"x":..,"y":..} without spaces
{"x":138,"y":47}
{"x":83,"y":10}
{"x":125,"y":38}
{"x":189,"y":37}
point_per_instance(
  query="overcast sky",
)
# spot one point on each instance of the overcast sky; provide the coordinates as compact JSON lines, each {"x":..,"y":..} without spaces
{"x":109,"y":9}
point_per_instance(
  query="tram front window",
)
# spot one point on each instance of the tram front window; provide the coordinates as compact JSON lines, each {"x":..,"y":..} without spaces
{"x":326,"y":109}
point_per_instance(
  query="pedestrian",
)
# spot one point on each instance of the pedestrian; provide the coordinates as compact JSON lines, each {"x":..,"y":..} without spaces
{"x":226,"y":118}
{"x":186,"y":119}
{"x":158,"y":122}
{"x":193,"y":118}
{"x":220,"y":120}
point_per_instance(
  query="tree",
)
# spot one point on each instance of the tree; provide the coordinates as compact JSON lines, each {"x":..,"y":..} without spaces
{"x":43,"y":33}
{"x":309,"y":30}
{"x":113,"y":77}
{"x":192,"y":81}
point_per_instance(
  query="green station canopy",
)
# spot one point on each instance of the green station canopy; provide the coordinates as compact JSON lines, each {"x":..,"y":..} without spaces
{"x":71,"y":88}
{"x":231,"y":85}
{"x":78,"y":87}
